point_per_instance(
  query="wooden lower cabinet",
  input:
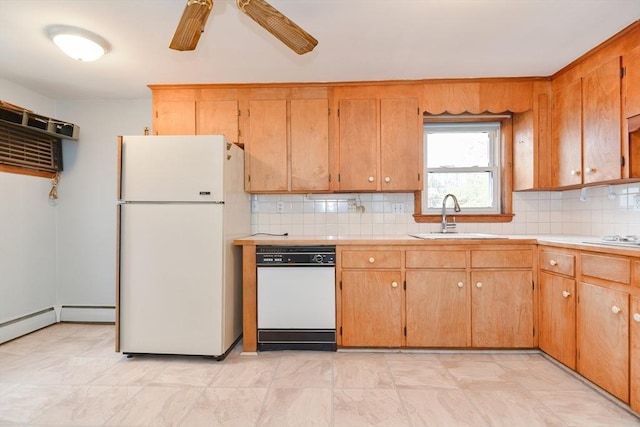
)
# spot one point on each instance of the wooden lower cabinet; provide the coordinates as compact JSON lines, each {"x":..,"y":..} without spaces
{"x":634,"y":353}
{"x":603,"y":338}
{"x":502,"y":309}
{"x":438,"y":305}
{"x":557,"y":320}
{"x":371,"y":308}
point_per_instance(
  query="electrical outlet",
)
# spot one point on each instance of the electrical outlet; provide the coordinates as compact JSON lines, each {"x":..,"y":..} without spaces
{"x":279,"y":207}
{"x":255,"y":207}
{"x":637,"y":199}
{"x":398,"y":208}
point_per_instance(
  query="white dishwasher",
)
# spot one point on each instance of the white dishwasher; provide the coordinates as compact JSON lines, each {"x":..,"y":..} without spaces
{"x":296,"y":297}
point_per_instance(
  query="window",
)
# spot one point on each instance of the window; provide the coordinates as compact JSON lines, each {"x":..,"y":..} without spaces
{"x":468,"y":156}
{"x":462,"y":159}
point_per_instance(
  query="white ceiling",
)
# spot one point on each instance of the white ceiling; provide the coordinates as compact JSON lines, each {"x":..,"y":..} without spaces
{"x":358,"y":40}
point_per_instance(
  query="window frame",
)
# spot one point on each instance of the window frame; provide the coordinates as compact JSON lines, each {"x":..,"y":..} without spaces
{"x":505,"y":169}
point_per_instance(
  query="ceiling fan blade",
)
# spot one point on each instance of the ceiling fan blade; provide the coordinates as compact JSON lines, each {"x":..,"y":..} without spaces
{"x":191,"y":24}
{"x":279,"y":25}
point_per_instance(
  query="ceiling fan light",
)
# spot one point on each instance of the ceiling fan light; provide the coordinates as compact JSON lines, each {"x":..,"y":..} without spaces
{"x":79,"y":44}
{"x":191,"y":24}
{"x":279,"y":25}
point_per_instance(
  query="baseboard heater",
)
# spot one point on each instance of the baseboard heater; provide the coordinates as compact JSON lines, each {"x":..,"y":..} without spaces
{"x":297,"y":339}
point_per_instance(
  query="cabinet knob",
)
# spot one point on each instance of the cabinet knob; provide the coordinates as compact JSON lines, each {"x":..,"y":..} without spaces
{"x":636,"y":317}
{"x":371,"y":179}
{"x":479,"y":285}
{"x":460,"y":284}
{"x":394,"y":284}
{"x":553,"y":262}
{"x":590,"y":170}
{"x":372,"y":260}
{"x":565,"y":294}
{"x":387,"y":179}
{"x":575,"y":172}
{"x":615,"y":309}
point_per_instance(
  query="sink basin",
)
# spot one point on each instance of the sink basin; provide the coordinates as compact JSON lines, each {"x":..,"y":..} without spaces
{"x":459,"y":236}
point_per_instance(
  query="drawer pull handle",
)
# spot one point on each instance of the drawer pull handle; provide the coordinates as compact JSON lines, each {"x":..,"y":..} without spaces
{"x":387,"y":179}
{"x":553,"y":262}
{"x":460,"y":284}
{"x":636,"y":317}
{"x":575,"y":172}
{"x":394,"y":284}
{"x":479,"y":285}
{"x":565,"y":294}
{"x":371,"y":179}
{"x":616,"y":309}
{"x":372,"y":260}
{"x":590,"y":170}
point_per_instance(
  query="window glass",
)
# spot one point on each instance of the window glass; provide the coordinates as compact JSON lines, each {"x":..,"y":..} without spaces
{"x":462,"y":159}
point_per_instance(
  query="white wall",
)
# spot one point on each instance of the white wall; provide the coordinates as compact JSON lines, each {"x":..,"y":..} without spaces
{"x":27,"y":228}
{"x":87,"y":197}
{"x":62,"y":253}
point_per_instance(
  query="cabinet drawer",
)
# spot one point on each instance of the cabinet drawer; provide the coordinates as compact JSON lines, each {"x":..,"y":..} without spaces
{"x":371,"y":259}
{"x":606,"y":267}
{"x":518,"y":258}
{"x":436,"y":259}
{"x":558,"y":262}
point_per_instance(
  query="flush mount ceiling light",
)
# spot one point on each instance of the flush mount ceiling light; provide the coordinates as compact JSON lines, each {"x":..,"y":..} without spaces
{"x":78,"y":43}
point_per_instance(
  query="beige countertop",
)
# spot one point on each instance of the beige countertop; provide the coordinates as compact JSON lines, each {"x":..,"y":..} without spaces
{"x":571,"y":242}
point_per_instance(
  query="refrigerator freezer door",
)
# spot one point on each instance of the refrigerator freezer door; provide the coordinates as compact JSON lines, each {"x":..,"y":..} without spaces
{"x":172,"y":168}
{"x":170,"y":279}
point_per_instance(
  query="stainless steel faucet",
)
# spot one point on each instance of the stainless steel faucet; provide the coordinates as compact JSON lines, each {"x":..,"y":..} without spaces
{"x":449,"y":227}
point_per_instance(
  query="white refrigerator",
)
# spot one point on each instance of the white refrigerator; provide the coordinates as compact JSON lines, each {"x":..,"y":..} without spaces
{"x":179,"y":277}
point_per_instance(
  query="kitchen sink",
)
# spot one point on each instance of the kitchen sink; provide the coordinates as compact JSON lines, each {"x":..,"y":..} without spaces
{"x":458,"y":236}
{"x":619,"y":244}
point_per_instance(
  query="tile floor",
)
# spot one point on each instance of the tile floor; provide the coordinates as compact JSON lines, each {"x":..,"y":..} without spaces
{"x":69,"y":375}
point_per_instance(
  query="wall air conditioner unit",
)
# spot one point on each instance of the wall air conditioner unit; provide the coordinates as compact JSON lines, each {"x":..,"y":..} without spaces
{"x":21,"y":117}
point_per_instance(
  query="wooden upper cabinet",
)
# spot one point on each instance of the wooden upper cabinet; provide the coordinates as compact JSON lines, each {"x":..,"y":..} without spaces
{"x":309,"y":132}
{"x":218,"y":117}
{"x":358,"y":149}
{"x":175,"y":117}
{"x":523,"y":151}
{"x":631,"y":62}
{"x":266,"y":151}
{"x":380,"y":144}
{"x":601,"y":123}
{"x":400,"y":145}
{"x":566,"y":133}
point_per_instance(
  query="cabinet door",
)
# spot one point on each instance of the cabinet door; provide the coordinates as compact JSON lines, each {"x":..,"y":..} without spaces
{"x":309,"y":130}
{"x":502,"y":309}
{"x":558,"y":318}
{"x":634,"y":329}
{"x":603,"y":338}
{"x":523,"y":151}
{"x":175,"y":118}
{"x":400,"y":145}
{"x":601,"y":123}
{"x":632,"y":83}
{"x":566,"y":134}
{"x":371,"y":309}
{"x":267,"y":146}
{"x":358,"y":142}
{"x":438,"y":309}
{"x":218,"y":118}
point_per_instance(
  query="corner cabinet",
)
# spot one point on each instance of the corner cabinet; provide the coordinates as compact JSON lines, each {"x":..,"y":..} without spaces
{"x":379,"y":140}
{"x":557,"y":281}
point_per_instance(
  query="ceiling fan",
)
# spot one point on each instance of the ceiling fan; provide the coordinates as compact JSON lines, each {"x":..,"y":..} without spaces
{"x":196,"y":13}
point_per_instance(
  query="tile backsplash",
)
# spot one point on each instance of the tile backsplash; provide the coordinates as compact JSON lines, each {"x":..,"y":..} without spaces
{"x":596,"y":211}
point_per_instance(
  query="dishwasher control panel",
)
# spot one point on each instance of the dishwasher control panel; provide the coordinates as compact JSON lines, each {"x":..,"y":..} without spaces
{"x":295,"y":255}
